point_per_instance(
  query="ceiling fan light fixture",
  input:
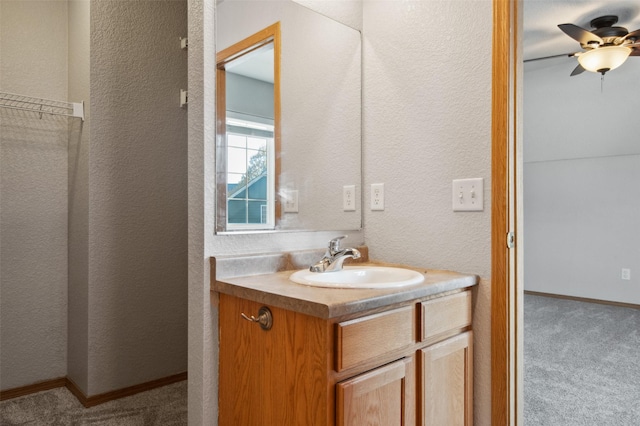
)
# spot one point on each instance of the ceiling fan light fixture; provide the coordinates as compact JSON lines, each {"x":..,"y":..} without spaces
{"x":604,"y":59}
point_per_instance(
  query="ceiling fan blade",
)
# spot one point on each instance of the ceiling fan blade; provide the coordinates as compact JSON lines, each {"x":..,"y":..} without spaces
{"x":577,"y":70}
{"x":635,"y":49}
{"x":580,"y":34}
{"x":562,"y":55}
{"x":635,"y":35}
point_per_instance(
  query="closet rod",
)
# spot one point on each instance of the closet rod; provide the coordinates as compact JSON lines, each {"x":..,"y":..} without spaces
{"x":41,"y":105}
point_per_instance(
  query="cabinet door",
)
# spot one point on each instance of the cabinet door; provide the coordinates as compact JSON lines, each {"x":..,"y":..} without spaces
{"x":275,"y":377}
{"x":446,"y":388}
{"x":381,"y":397}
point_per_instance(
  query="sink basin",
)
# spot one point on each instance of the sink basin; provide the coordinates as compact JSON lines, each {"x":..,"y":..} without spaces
{"x":359,"y":277}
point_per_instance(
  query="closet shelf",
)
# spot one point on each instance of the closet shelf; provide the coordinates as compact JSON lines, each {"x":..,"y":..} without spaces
{"x":41,"y":106}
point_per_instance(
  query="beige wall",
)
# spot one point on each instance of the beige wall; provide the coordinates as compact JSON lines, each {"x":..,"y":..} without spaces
{"x":33,"y":196}
{"x":78,"y":177}
{"x":137,"y":298}
{"x":94,"y":238}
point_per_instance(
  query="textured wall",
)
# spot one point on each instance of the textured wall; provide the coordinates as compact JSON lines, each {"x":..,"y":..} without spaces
{"x":137,"y":194}
{"x":33,"y":196}
{"x":427,"y":117}
{"x":78,"y":176}
{"x":581,"y":194}
{"x":202,"y":365}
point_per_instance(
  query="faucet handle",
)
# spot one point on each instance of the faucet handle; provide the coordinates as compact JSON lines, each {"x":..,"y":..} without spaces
{"x":334,"y":244}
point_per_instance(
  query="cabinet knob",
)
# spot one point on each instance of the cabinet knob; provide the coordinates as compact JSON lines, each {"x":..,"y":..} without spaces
{"x":265,"y":318}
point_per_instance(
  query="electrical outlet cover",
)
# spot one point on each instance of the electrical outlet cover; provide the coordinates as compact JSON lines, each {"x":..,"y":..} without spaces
{"x":377,"y":196}
{"x":626,"y":274}
{"x":349,"y":198}
{"x":291,"y":201}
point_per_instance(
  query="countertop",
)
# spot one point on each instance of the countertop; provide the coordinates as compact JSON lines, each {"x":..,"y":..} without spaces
{"x":277,"y":290}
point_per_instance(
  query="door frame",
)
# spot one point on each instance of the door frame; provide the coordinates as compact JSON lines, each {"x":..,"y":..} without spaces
{"x":506,"y":308}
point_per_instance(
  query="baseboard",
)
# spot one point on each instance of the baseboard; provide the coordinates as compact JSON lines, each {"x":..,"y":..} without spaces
{"x":33,"y":388}
{"x":90,"y":401}
{"x":94,"y":400}
{"x":583,"y":299}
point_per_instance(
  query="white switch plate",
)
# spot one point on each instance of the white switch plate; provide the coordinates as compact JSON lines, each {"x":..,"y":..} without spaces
{"x":291,"y":201}
{"x":377,"y":196}
{"x":468,"y":195}
{"x":349,"y":198}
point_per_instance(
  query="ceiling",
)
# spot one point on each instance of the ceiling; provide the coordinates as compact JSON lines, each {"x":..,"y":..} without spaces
{"x":541,"y":35}
{"x":257,"y":64}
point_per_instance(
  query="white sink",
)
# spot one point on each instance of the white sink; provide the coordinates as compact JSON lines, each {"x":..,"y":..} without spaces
{"x":359,"y":277}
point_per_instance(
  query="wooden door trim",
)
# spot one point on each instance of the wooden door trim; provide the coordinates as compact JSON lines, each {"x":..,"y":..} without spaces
{"x":504,"y":386}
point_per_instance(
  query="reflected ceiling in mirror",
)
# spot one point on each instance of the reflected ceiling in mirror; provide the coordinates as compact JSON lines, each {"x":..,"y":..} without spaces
{"x":320,"y":114}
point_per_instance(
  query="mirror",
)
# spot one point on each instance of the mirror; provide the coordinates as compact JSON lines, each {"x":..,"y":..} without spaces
{"x":286,"y":147}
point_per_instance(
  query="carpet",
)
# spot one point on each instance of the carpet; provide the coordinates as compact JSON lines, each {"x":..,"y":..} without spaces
{"x":165,"y":406}
{"x":581,"y":363}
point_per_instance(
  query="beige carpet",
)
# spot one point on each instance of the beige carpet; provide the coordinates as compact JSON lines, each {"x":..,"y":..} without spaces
{"x":162,"y":406}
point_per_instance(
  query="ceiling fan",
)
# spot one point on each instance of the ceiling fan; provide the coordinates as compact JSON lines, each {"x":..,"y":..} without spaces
{"x":605,"y":47}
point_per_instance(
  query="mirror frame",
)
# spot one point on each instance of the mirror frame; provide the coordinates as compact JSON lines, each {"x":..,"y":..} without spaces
{"x":271,"y":34}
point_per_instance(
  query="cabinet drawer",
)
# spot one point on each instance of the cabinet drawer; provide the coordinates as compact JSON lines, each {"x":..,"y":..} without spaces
{"x":443,"y":314}
{"x":366,"y":338}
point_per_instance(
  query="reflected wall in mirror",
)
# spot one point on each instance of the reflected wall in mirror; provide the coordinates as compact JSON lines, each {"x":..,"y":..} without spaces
{"x":318,"y":150}
{"x":248,"y":132}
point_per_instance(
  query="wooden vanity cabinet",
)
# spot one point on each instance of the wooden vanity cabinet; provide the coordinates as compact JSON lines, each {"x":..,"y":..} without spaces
{"x":381,"y":396}
{"x":399,"y":366}
{"x":445,"y":388}
{"x":446,"y":379}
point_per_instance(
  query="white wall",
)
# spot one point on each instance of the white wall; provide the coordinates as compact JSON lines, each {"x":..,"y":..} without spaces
{"x":249,"y":96}
{"x":427,"y":118}
{"x":33,"y":196}
{"x":582,"y":167}
{"x":203,"y":242}
{"x":427,"y":121}
{"x":348,"y":12}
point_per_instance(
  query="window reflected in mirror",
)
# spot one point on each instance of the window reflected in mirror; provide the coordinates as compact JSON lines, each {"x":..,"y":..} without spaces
{"x":250,"y":174}
{"x":248,"y":121}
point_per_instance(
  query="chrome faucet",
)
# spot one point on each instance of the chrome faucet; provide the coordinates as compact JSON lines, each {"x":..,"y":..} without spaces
{"x":334,"y":257}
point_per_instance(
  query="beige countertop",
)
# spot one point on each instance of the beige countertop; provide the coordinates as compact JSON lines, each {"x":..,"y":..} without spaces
{"x":277,"y":290}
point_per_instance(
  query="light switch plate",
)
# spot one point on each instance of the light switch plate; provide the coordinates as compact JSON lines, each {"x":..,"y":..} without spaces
{"x":291,"y":201}
{"x":468,"y":195}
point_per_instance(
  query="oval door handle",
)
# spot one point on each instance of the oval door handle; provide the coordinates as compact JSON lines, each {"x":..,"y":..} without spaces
{"x":265,"y":318}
